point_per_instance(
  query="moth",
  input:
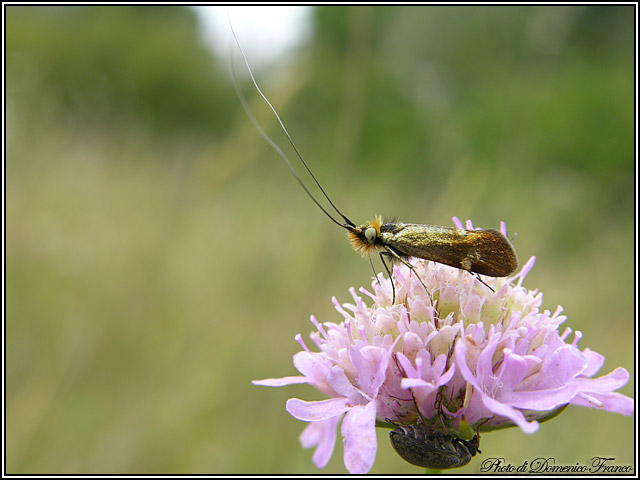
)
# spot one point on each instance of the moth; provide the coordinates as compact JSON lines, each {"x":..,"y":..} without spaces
{"x":482,"y":252}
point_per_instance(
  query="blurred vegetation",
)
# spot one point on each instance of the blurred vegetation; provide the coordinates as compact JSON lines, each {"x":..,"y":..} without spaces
{"x":160,"y":257}
{"x":106,"y":65}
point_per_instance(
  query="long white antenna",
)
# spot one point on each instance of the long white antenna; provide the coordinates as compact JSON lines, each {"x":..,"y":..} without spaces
{"x":245,"y":105}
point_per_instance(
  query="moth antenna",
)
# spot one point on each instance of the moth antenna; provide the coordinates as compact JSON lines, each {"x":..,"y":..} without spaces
{"x":349,"y":223}
{"x":275,"y":146}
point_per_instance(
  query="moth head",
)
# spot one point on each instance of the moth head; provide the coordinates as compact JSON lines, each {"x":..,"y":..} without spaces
{"x":364,"y":239}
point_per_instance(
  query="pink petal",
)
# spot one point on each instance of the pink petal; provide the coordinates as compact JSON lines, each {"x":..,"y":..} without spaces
{"x":594,"y":361}
{"x":313,"y":433}
{"x":314,"y":411}
{"x":484,"y":366}
{"x":342,"y":385}
{"x":492,"y":404}
{"x":407,"y":383}
{"x":512,"y":414}
{"x":407,"y":366}
{"x":563,"y":365}
{"x":542,"y":399}
{"x":513,"y":371}
{"x":311,"y":366}
{"x":371,"y":364}
{"x":360,"y":443}
{"x":605,"y":384}
{"x":280,"y":382}
{"x":612,"y":402}
{"x":380,"y":373}
{"x":460,"y":353}
{"x":322,"y":434}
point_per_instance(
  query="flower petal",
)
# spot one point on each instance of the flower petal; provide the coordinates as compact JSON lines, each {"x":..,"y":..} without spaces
{"x":360,"y":443}
{"x":314,"y":411}
{"x":311,"y":365}
{"x":542,"y":399}
{"x":594,"y":360}
{"x":605,"y":384}
{"x":612,"y":402}
{"x":323,"y":434}
{"x":512,"y":414}
{"x":279,"y":382}
{"x":371,"y":364}
{"x":492,"y":404}
{"x":341,"y":384}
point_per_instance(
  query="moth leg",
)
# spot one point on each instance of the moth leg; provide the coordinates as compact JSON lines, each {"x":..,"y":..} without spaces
{"x":393,"y":287}
{"x":483,"y":282}
{"x":375,"y":274}
{"x":392,"y":253}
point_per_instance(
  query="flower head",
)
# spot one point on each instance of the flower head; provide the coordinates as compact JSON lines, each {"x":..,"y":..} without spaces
{"x":459,"y":357}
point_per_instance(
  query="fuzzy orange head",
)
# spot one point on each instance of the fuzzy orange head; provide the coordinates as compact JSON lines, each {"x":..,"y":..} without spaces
{"x":364,"y":238}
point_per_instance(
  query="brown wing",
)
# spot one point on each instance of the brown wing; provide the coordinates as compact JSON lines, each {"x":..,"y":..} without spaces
{"x":487,"y":252}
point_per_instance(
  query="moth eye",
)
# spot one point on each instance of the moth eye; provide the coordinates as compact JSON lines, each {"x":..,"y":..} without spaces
{"x":370,"y":234}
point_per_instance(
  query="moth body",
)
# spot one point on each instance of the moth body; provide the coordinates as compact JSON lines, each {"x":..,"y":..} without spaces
{"x":487,"y":252}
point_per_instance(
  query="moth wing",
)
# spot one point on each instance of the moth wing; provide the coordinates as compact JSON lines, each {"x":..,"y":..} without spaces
{"x":487,"y":252}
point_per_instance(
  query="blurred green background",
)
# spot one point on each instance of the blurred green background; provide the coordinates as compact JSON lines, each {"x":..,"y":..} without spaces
{"x":160,"y":256}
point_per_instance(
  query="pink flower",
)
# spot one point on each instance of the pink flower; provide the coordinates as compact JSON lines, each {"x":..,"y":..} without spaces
{"x":502,"y":359}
